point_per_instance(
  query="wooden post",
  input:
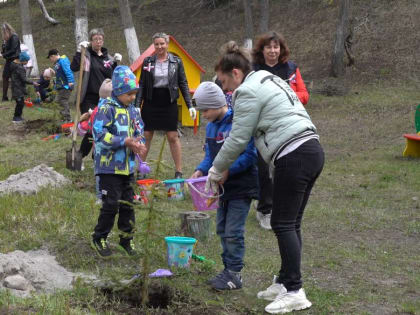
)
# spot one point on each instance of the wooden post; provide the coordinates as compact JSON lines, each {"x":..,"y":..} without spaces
{"x":195,"y":224}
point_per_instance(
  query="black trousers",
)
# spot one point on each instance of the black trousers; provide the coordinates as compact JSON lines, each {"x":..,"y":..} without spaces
{"x":265,"y":203}
{"x":20,"y":103}
{"x":90,"y":102}
{"x":86,"y":144}
{"x":115,"y":188}
{"x":6,"y":76}
{"x":295,"y":175}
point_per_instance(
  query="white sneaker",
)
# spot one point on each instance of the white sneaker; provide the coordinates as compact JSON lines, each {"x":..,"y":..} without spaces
{"x":288,"y":302}
{"x":264,"y":220}
{"x":272,"y":291}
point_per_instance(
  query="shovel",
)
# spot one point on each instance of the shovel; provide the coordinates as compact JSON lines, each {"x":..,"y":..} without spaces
{"x":74,"y":156}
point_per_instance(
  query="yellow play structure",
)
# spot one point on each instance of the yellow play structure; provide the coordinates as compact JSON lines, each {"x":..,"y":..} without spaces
{"x":193,"y":72}
{"x":412,"y":147}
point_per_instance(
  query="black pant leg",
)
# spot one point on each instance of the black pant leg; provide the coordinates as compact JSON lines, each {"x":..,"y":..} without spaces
{"x":20,"y":103}
{"x":6,"y":77}
{"x":265,"y":204}
{"x":126,"y":218}
{"x":110,"y":186}
{"x":86,"y":144}
{"x":295,"y":175}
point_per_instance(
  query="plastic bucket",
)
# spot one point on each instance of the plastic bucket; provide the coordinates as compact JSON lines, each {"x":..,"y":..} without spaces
{"x":175,"y":188}
{"x":199,"y":197}
{"x":179,"y":250}
{"x":146,"y":186}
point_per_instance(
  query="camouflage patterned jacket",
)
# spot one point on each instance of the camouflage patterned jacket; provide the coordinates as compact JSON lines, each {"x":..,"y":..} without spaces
{"x":113,"y":123}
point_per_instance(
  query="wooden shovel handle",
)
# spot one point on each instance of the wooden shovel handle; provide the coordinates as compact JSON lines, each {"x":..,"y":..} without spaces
{"x":79,"y":90}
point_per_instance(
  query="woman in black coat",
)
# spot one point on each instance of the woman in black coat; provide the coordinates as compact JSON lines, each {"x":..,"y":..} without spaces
{"x":161,"y":77}
{"x":10,"y":51}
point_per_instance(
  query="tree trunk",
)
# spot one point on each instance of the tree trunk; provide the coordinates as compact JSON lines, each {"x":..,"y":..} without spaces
{"x":27,"y":34}
{"x":196,"y":224}
{"x":337,"y":66}
{"x":129,"y":31}
{"x":45,"y":13}
{"x":81,"y":21}
{"x":264,"y":16}
{"x":249,"y":28}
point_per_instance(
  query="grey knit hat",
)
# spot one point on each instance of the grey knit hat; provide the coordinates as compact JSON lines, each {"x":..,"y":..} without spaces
{"x":105,"y":89}
{"x":208,"y":95}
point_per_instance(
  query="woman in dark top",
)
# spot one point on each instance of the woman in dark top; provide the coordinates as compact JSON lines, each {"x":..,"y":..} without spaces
{"x":271,"y":53}
{"x":98,"y":67}
{"x":161,"y":77}
{"x":10,"y":51}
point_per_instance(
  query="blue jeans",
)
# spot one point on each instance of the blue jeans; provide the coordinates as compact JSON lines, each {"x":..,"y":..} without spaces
{"x":231,"y":217}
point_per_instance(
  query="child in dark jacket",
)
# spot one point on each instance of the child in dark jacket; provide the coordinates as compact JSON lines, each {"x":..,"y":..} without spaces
{"x":43,"y":89}
{"x":19,"y":81}
{"x":240,"y":185}
{"x":118,"y":136}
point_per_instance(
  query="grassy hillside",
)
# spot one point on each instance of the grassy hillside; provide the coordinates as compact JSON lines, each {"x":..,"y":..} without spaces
{"x":361,"y":228}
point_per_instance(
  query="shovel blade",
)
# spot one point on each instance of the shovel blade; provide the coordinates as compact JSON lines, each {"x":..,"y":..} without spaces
{"x":76,"y":164}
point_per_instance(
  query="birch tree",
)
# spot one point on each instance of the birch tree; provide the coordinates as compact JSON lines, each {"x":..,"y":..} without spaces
{"x":338,"y":66}
{"x":129,"y":31}
{"x":249,"y":29}
{"x":27,"y":34}
{"x":45,"y":13}
{"x":81,"y":21}
{"x":264,"y":16}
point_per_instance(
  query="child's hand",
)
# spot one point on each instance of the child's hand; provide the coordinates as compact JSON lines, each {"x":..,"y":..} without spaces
{"x":135,"y":146}
{"x":84,"y":116}
{"x":35,"y":83}
{"x":197,"y":174}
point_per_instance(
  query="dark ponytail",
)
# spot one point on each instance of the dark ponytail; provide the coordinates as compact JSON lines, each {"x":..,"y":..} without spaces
{"x":233,"y":57}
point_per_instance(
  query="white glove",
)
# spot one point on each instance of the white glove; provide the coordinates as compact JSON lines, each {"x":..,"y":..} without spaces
{"x":117,"y":57}
{"x":213,"y":179}
{"x":83,"y":44}
{"x":193,"y":113}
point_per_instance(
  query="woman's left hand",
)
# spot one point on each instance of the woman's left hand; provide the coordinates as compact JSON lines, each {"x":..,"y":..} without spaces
{"x":193,"y":113}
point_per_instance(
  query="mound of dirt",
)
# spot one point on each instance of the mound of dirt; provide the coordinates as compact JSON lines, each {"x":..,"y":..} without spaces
{"x":32,"y":272}
{"x":30,"y":181}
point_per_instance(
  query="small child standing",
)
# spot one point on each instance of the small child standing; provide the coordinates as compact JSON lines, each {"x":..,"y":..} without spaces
{"x":240,"y":185}
{"x":118,"y":136}
{"x":64,"y":82}
{"x":19,"y":81}
{"x":43,"y":88}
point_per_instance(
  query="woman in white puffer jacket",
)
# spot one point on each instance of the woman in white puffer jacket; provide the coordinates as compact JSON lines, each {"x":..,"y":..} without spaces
{"x":269,"y":110}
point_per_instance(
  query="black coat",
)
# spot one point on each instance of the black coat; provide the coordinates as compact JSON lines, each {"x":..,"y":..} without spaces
{"x":19,"y":80}
{"x":176,"y":79}
{"x":10,"y":50}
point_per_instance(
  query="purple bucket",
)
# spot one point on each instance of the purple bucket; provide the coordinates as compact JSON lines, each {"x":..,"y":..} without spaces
{"x":199,"y":196}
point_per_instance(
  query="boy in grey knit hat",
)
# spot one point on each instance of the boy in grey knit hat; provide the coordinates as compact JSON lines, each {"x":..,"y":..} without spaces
{"x":240,"y":184}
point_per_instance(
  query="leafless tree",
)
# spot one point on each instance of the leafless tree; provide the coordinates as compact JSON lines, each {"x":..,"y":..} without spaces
{"x":338,"y":66}
{"x":264,"y":15}
{"x":249,"y":27}
{"x":45,"y":13}
{"x":129,"y":31}
{"x":81,"y":21}
{"x":27,"y":34}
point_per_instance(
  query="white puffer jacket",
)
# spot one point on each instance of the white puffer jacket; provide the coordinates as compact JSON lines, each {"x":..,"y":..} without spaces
{"x":267,"y":108}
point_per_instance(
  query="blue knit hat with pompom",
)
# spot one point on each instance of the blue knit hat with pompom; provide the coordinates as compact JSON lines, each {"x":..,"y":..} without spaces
{"x":123,"y":81}
{"x":23,"y":56}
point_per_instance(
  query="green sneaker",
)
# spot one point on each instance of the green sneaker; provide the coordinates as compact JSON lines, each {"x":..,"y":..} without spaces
{"x":101,"y":247}
{"x":127,"y":246}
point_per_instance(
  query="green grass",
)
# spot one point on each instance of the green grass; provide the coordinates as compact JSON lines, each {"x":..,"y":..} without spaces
{"x":361,"y":228}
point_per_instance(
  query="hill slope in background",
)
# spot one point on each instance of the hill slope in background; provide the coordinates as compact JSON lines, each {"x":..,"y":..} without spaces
{"x":386,"y":37}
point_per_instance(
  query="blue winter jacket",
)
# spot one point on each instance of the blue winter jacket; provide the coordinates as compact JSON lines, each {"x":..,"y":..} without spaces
{"x":63,"y":73}
{"x":243,"y":175}
{"x":113,"y":123}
